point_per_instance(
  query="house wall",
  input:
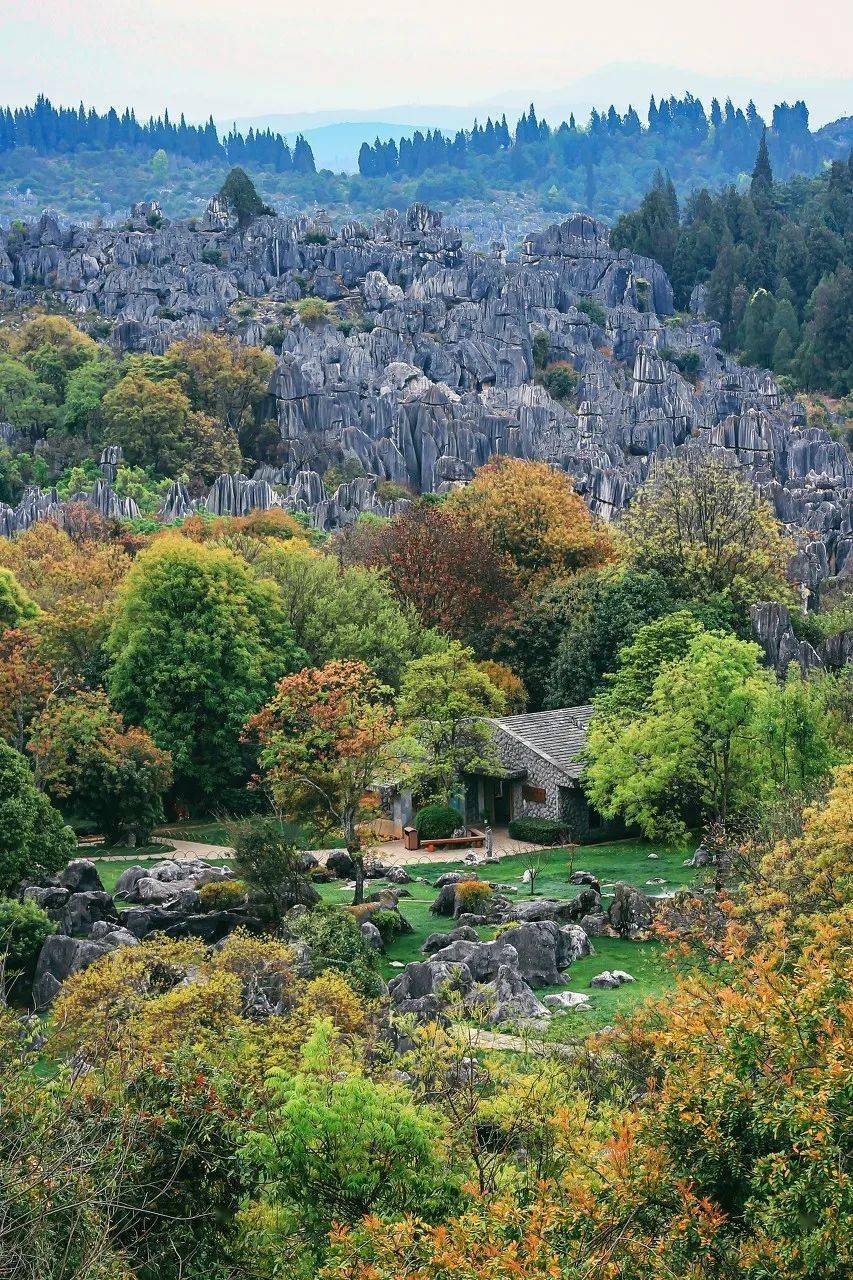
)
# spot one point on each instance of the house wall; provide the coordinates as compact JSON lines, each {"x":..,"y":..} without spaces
{"x":515,"y":756}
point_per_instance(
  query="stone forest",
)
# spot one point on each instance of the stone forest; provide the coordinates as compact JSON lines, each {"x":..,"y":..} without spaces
{"x":426,"y":739}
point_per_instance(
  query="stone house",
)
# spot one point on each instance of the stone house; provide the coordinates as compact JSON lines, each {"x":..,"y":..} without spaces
{"x":538,"y":774}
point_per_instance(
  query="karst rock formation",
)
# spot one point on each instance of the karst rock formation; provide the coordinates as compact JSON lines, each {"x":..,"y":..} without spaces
{"x":437,"y":376}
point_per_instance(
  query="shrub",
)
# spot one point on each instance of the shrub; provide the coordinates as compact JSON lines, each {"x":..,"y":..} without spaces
{"x":388,"y":923}
{"x":221,"y":895}
{"x":316,"y":237}
{"x":212,"y":256}
{"x":334,"y":936}
{"x":541,"y":347}
{"x":312,"y":311}
{"x":471,"y":895}
{"x":34,"y":840}
{"x":538,"y":830}
{"x":23,"y":929}
{"x":437,"y":821}
{"x":689,"y":363}
{"x":593,"y":310}
{"x":560,"y":380}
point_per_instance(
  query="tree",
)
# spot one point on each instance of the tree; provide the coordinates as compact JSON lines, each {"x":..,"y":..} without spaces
{"x":23,"y":930}
{"x":26,"y":684}
{"x":197,"y":644}
{"x":148,"y":419}
{"x":761,"y":183}
{"x":333,"y":1146}
{"x":85,"y":756}
{"x":74,"y":583}
{"x":697,"y":744}
{"x":34,"y":841}
{"x":533,"y":516}
{"x":16,"y":606}
{"x":240,"y":193}
{"x":340,"y":612}
{"x":708,"y":533}
{"x":325,"y":740}
{"x":223,"y":377}
{"x":445,"y":700}
{"x":270,"y":863}
{"x":160,"y":167}
{"x":450,"y":571}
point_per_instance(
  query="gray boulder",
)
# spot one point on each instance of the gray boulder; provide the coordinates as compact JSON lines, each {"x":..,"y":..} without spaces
{"x":437,"y":941}
{"x":398,"y":875}
{"x":59,"y":957}
{"x":149,"y":889}
{"x":630,"y":910}
{"x":341,"y":864}
{"x":372,"y":936}
{"x":425,"y":985}
{"x":507,"y":1000}
{"x":568,"y":1002}
{"x":128,"y":880}
{"x":51,"y":899}
{"x":112,"y":935}
{"x":82,"y":910}
{"x":80,"y":876}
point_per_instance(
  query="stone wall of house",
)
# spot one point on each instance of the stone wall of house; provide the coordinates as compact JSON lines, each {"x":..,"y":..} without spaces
{"x":514,"y":755}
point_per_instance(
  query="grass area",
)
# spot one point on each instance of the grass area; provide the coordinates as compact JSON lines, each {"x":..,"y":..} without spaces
{"x":626,"y":860}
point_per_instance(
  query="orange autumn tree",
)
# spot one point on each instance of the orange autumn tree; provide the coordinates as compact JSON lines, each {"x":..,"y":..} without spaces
{"x":26,"y":684}
{"x":534,"y":517}
{"x":325,"y":739}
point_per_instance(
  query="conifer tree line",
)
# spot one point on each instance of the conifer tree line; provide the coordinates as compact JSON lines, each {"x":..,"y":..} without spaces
{"x":51,"y":130}
{"x":729,"y":131}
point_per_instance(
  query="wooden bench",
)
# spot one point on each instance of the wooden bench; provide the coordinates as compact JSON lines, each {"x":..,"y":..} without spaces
{"x":474,"y":840}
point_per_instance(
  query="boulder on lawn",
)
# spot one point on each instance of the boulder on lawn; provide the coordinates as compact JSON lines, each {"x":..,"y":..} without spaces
{"x":587,"y":903}
{"x":341,"y":864}
{"x":212,"y":926}
{"x":630,"y":912}
{"x":585,"y":877}
{"x":398,"y":875}
{"x":80,"y":876}
{"x":596,"y":925}
{"x":568,"y":1002}
{"x":481,"y":959}
{"x":437,"y":941}
{"x":508,"y":999}
{"x":141,"y":921}
{"x":371,"y":935}
{"x":445,"y":902}
{"x":128,"y":880}
{"x":83,"y":909}
{"x":153,"y":889}
{"x":424,"y":986}
{"x":611,"y":978}
{"x":453,"y":877}
{"x":545,"y":949}
{"x":59,"y":957}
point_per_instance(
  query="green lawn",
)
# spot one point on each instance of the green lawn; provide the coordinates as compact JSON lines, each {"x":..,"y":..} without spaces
{"x":621,"y":860}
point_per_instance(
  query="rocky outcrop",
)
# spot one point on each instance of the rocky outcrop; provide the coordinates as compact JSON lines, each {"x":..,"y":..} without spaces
{"x":433,"y":372}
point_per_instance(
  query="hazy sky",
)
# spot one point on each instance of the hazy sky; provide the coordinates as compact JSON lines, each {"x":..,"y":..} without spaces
{"x":232,"y":58}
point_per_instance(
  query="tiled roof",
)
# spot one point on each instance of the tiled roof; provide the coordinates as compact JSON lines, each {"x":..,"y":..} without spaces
{"x":557,"y":736}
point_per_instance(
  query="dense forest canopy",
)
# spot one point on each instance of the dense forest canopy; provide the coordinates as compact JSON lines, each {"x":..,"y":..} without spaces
{"x":774,"y":262}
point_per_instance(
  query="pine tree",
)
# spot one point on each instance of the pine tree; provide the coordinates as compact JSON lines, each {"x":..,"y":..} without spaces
{"x":761,"y":186}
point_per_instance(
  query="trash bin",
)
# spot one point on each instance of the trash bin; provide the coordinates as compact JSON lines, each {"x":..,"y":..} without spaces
{"x":410,"y":838}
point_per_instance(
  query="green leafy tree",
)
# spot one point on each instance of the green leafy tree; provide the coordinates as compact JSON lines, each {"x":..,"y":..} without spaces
{"x":16,"y":607}
{"x":86,"y":758}
{"x":710,"y":741}
{"x":444,"y":704}
{"x":334,"y":1145}
{"x":23,"y":929}
{"x":196,"y":646}
{"x":34,"y":840}
{"x":241,"y":194}
{"x":148,"y":419}
{"x":709,"y":534}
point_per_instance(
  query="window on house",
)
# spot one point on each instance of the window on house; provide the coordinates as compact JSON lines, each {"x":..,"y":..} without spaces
{"x":534,"y":795}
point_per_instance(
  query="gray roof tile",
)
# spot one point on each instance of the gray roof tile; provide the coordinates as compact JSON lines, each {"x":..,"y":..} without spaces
{"x":557,"y":736}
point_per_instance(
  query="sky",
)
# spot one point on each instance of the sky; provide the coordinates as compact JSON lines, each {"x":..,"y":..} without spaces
{"x":337,"y":56}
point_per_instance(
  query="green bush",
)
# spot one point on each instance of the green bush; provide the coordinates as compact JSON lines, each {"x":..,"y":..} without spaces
{"x":560,"y":380}
{"x":312,"y":311}
{"x":541,"y":347}
{"x":212,"y":256}
{"x":388,"y":923}
{"x":334,"y":936}
{"x":437,"y":822}
{"x":222,"y":895}
{"x":316,"y":237}
{"x":538,"y":830}
{"x":593,"y":310}
{"x":689,"y":364}
{"x":23,"y":929}
{"x":34,"y":840}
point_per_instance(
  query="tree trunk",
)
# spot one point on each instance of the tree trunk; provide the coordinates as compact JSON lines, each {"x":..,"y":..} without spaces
{"x":353,"y":844}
